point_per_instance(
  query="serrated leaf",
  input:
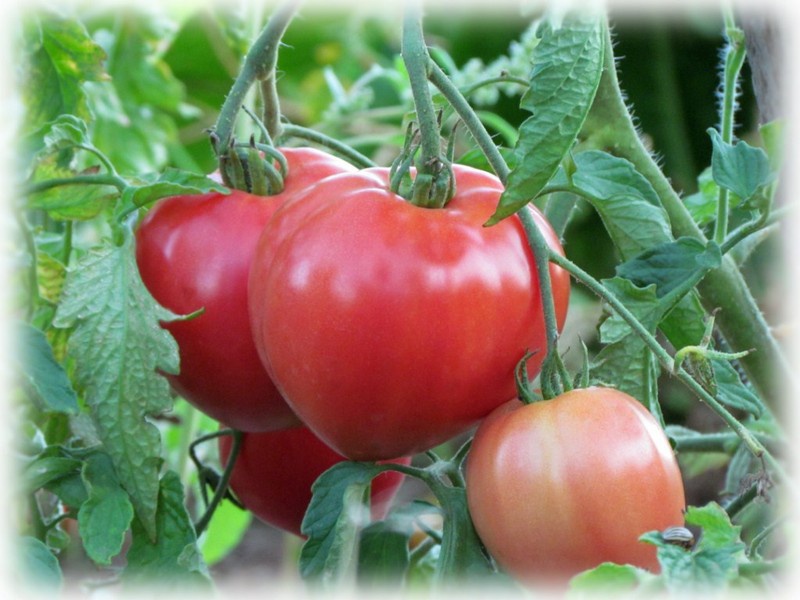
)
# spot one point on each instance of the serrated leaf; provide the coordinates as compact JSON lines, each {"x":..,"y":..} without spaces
{"x":327,"y":527}
{"x":64,"y":132}
{"x":171,"y":182}
{"x":40,"y":567}
{"x":60,"y":57}
{"x":718,"y":531}
{"x":174,"y":558}
{"x":45,"y":376}
{"x":740,"y":168}
{"x":107,"y":513}
{"x":224,"y":532}
{"x":669,"y":265}
{"x":118,"y":346}
{"x":732,"y":392}
{"x":566,"y":71}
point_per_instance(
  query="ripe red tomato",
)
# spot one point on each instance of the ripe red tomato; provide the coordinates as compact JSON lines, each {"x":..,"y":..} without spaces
{"x":559,"y":486}
{"x":390,"y":328}
{"x":194,"y":252}
{"x":274,"y":472}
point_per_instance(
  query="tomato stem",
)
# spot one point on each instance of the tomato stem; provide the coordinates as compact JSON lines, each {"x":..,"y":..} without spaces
{"x":259,"y":65}
{"x":347,"y":152}
{"x":432,"y":186}
{"x":222,"y":487}
{"x":734,"y":60}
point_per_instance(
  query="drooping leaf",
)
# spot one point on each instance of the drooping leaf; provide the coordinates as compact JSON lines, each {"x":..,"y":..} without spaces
{"x":45,"y":376}
{"x":171,"y":182}
{"x":60,"y":57}
{"x":50,"y":274}
{"x":740,"y":168}
{"x":625,"y":201}
{"x":40,"y":568}
{"x":173,"y":559}
{"x":566,"y":72}
{"x":669,"y":265}
{"x":107,"y":513}
{"x":330,"y":529}
{"x":732,"y":392}
{"x":118,"y":346}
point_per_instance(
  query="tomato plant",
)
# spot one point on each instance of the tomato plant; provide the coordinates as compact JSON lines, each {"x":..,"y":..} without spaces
{"x":275,"y":470}
{"x":562,"y":485}
{"x":194,"y":254}
{"x":391,"y":328}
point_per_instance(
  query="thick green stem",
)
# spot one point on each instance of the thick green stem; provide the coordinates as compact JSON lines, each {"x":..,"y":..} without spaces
{"x":429,"y":187}
{"x":734,"y":59}
{"x":715,"y":442}
{"x":740,"y":320}
{"x":259,"y":65}
{"x":41,"y":186}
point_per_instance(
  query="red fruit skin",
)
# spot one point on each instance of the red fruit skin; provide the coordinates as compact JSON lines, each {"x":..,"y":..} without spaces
{"x":560,"y":486}
{"x":275,"y":470}
{"x":194,"y":252}
{"x":391,"y":328}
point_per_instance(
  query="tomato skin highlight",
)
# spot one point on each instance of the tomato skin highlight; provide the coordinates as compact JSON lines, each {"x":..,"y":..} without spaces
{"x":391,"y":328}
{"x":560,"y":486}
{"x":194,"y":252}
{"x":274,"y":472}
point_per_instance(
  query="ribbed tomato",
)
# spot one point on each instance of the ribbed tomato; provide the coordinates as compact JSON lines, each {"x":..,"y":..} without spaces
{"x":390,"y":328}
{"x":559,"y":486}
{"x":195,"y":252}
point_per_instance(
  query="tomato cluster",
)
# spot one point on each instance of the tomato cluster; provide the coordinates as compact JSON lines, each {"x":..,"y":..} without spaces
{"x":340,"y":321}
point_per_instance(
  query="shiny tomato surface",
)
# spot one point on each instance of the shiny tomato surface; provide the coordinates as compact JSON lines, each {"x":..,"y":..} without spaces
{"x":194,"y":252}
{"x":391,"y":328}
{"x":275,"y":470}
{"x":559,"y":486}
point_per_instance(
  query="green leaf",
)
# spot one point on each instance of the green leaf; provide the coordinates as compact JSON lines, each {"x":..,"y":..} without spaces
{"x":118,"y":346}
{"x":739,"y":467}
{"x":41,"y":568}
{"x":732,"y":392}
{"x":740,"y":168}
{"x":107,"y":513}
{"x":383,"y":555}
{"x":625,"y":361}
{"x":171,"y":182}
{"x":60,"y":57}
{"x":702,"y":205}
{"x":224,"y":532}
{"x":69,"y":489}
{"x":566,"y":71}
{"x":669,"y":265}
{"x":50,"y":274}
{"x":330,"y":529}
{"x":79,"y":201}
{"x":625,"y":201}
{"x":174,"y":558}
{"x":47,"y":469}
{"x":42,"y":372}
{"x":608,"y":578}
{"x":718,"y":531}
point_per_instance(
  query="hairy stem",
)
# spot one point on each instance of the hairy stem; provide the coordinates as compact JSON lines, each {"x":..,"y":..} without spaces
{"x":347,"y":152}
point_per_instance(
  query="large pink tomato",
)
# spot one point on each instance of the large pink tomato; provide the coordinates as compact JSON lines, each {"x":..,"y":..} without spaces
{"x":194,"y":252}
{"x":560,"y":486}
{"x":390,"y":328}
{"x":274,"y":472}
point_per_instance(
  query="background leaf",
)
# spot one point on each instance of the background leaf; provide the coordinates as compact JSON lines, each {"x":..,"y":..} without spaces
{"x":118,"y":345}
{"x":40,"y":567}
{"x":43,"y":373}
{"x":224,"y":532}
